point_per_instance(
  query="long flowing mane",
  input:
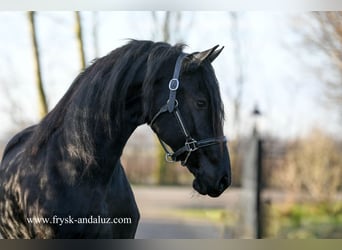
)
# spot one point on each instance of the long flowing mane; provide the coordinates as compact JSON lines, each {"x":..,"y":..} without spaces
{"x":97,"y":97}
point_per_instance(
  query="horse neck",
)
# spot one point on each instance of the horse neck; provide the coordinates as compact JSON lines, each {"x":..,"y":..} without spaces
{"x":108,"y":149}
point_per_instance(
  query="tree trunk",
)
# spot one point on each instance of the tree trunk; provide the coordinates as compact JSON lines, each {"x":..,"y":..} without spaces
{"x":79,"y":39}
{"x":43,"y":108}
{"x":95,"y":34}
{"x":239,"y":72}
{"x":166,"y":27}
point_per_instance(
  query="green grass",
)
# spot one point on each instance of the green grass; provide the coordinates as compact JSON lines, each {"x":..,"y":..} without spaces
{"x":305,"y":221}
{"x":221,"y":216}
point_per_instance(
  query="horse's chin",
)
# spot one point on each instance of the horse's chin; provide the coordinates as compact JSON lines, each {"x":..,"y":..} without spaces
{"x":214,"y":194}
{"x":198,"y":188}
{"x":203,"y":190}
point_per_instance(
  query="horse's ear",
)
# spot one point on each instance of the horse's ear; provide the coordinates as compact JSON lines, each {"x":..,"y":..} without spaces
{"x":215,"y":54}
{"x":210,"y":54}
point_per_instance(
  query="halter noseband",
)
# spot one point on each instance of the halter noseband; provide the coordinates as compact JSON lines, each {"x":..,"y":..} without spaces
{"x":171,"y":106}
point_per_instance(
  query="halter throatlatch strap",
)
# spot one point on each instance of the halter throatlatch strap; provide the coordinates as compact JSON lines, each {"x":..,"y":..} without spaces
{"x":171,"y":106}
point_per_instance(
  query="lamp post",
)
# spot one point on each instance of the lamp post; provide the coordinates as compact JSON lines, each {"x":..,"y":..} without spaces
{"x":251,"y":182}
{"x":256,"y":116}
{"x":258,"y":162}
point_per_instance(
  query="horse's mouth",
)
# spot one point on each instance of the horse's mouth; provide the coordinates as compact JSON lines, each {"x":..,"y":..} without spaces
{"x":198,"y":188}
{"x":204,"y":190}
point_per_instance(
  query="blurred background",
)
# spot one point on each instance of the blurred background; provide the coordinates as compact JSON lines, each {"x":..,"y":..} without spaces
{"x":280,"y":76}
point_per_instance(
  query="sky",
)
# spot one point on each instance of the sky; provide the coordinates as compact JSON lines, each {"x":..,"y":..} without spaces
{"x":275,"y":66}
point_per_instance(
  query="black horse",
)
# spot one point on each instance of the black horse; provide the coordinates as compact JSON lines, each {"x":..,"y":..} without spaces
{"x":68,"y":167}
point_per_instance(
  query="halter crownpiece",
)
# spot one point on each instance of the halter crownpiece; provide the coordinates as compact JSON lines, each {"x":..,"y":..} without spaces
{"x":171,"y":106}
{"x":174,"y":83}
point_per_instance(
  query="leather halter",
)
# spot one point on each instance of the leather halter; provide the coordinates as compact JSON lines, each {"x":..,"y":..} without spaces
{"x":171,"y":106}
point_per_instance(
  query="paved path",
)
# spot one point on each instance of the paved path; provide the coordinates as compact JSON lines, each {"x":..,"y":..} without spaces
{"x":156,"y":203}
{"x":175,"y":229}
{"x":153,"y":200}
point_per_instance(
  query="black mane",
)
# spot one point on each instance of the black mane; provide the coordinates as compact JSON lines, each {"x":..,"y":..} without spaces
{"x":98,"y":95}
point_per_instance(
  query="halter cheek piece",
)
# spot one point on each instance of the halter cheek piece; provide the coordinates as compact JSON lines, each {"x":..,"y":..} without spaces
{"x":171,"y":106}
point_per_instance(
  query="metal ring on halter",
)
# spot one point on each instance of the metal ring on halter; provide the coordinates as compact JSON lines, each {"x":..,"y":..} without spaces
{"x":168,"y":157}
{"x":176,"y":103}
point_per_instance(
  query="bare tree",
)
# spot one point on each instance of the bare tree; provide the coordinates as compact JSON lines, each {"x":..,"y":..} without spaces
{"x":43,"y":107}
{"x":168,"y":26}
{"x":240,"y":79}
{"x":13,"y":110}
{"x":95,"y":33}
{"x":313,"y":165}
{"x":324,"y":36}
{"x":79,"y":39}
{"x":237,"y":148}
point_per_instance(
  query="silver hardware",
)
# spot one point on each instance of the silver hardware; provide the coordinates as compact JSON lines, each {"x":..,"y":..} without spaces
{"x":168,"y":157}
{"x":173,"y":84}
{"x":191,"y":145}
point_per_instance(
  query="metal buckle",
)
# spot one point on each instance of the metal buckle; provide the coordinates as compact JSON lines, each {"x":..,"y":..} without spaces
{"x":191,"y":145}
{"x":173,"y":84}
{"x":168,"y":157}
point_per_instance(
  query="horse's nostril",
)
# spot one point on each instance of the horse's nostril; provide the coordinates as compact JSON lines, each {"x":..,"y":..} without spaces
{"x":224,"y":183}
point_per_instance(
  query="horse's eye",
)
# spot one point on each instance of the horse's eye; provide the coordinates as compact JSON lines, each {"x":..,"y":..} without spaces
{"x":201,"y":104}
